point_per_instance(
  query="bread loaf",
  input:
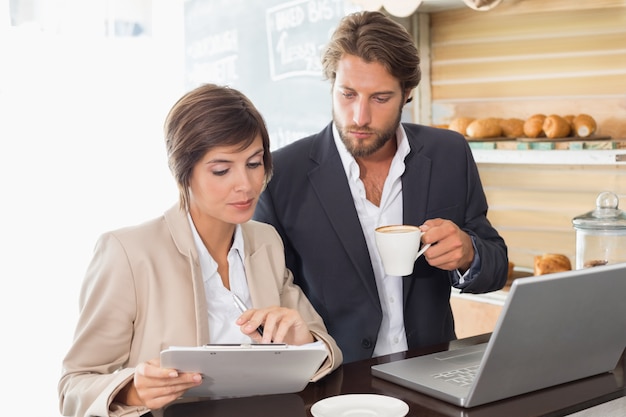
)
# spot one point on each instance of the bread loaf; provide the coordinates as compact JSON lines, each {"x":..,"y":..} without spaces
{"x":550,"y":263}
{"x":584,"y":125}
{"x":484,"y":128}
{"x":555,"y":126}
{"x":460,"y":124}
{"x":533,"y":126}
{"x":512,"y":128}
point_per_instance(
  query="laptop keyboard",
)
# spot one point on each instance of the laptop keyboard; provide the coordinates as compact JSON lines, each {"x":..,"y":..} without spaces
{"x":461,"y":377}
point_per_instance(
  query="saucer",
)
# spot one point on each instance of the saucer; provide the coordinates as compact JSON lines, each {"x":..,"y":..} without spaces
{"x":360,"y":405}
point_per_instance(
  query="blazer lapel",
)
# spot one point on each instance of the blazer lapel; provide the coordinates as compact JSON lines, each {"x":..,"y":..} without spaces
{"x":416,"y":182}
{"x":258,"y":268}
{"x":180,"y":230}
{"x":328,"y":179}
{"x":415,"y":185}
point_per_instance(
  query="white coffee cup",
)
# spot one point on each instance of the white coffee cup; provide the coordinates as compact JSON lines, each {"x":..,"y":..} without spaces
{"x":399,"y":248}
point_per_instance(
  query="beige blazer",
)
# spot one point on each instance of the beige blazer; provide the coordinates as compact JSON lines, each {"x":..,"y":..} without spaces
{"x":143,"y":291}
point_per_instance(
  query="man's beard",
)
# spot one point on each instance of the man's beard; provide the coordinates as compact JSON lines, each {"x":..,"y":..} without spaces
{"x":359,"y":150}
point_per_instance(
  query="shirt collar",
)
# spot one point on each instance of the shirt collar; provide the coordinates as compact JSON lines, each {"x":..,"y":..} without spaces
{"x":237,"y":239}
{"x":349,"y":163}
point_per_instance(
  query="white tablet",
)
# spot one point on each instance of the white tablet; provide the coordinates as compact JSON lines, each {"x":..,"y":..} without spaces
{"x":242,"y":370}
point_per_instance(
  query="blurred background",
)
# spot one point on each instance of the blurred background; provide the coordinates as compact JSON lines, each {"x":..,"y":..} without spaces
{"x":84,"y":89}
{"x":85,"y":86}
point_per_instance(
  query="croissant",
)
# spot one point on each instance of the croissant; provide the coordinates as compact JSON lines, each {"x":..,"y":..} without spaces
{"x":549,"y":263}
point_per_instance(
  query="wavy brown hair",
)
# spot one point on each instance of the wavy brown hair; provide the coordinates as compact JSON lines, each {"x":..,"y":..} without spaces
{"x":374,"y":37}
{"x":205,"y":118}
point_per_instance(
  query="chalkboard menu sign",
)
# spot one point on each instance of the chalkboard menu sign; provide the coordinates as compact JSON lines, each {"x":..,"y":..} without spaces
{"x":270,"y":50}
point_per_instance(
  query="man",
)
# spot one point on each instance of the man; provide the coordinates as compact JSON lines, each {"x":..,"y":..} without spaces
{"x":366,"y":169}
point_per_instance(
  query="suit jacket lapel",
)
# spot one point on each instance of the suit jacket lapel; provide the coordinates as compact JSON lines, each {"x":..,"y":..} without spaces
{"x":415,"y":184}
{"x":415,"y":191}
{"x":328,"y":179}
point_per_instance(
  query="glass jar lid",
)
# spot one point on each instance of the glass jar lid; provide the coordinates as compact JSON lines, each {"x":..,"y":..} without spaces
{"x":606,"y":216}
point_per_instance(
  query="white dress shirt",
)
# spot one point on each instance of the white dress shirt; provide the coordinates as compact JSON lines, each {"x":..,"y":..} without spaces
{"x":222,"y":311}
{"x":391,"y":335}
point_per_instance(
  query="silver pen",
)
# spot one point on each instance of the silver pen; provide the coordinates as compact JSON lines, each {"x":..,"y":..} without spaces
{"x":242,"y":308}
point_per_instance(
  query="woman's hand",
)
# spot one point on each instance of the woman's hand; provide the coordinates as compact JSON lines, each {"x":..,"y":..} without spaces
{"x":280,"y":325}
{"x":155,"y":387}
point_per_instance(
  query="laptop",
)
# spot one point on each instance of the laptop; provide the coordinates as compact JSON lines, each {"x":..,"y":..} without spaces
{"x":553,"y":329}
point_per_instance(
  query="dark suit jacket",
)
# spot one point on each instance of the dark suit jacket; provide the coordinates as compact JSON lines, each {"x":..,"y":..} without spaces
{"x":309,"y":202}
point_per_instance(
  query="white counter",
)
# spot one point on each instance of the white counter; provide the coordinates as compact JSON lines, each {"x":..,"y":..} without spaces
{"x":494,"y":297}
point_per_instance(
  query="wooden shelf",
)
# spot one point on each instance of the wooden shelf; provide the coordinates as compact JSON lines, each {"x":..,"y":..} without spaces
{"x":551,"y":157}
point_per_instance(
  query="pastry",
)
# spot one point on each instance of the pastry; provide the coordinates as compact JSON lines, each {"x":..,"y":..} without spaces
{"x":584,"y":125}
{"x":555,"y":126}
{"x":595,"y":262}
{"x":512,"y":128}
{"x":510,"y":271}
{"x":533,"y":126}
{"x":484,"y":128}
{"x":460,"y":124}
{"x":550,"y":263}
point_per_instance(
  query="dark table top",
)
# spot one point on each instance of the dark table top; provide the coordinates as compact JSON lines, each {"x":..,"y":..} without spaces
{"x":356,"y":378}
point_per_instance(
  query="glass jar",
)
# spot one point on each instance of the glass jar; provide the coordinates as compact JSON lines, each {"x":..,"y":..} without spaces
{"x":601,"y":233}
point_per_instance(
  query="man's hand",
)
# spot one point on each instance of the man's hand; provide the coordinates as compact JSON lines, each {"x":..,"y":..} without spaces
{"x":451,"y":248}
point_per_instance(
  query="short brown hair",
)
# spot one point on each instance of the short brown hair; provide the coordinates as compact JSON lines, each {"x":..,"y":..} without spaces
{"x":374,"y":37}
{"x":205,"y":118}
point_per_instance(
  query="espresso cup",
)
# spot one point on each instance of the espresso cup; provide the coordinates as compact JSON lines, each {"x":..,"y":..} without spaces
{"x":399,"y":248}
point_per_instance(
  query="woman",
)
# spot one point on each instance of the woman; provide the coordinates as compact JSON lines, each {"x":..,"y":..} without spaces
{"x":171,"y":281}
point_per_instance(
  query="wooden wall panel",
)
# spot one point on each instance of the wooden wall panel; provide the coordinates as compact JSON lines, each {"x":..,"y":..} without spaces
{"x":549,"y":85}
{"x":472,"y":317}
{"x":555,"y":177}
{"x":526,"y":57}
{"x":522,"y":52}
{"x":464,"y":26}
{"x":532,"y":206}
{"x":526,"y":68}
{"x":521,"y":58}
{"x":507,"y":49}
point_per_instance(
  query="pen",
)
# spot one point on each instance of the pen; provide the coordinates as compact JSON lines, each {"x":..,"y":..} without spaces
{"x":242,"y":307}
